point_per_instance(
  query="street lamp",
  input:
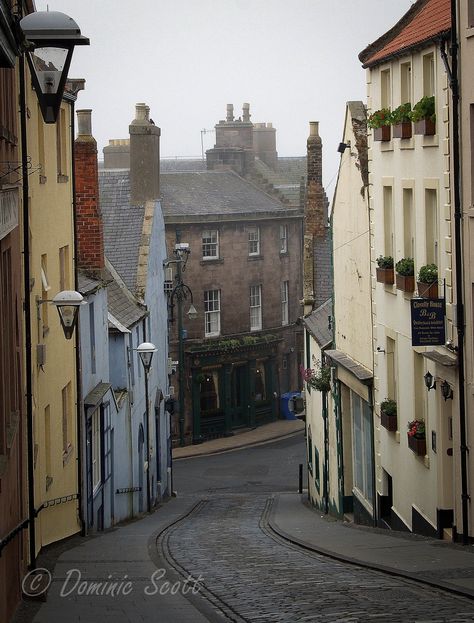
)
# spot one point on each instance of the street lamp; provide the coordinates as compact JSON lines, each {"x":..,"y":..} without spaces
{"x":146,"y":351}
{"x":67,"y":303}
{"x":50,"y":38}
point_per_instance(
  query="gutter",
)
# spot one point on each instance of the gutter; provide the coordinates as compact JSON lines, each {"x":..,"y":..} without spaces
{"x":459,"y":273}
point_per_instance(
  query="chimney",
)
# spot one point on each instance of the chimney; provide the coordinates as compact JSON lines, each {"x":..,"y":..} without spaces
{"x":230,"y":112}
{"x":246,"y":113}
{"x":314,"y":147}
{"x":90,"y":237}
{"x":144,"y":157}
{"x":315,"y":210}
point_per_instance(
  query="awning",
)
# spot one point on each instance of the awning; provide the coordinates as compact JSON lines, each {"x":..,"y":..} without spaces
{"x":95,"y":396}
{"x":361,"y":373}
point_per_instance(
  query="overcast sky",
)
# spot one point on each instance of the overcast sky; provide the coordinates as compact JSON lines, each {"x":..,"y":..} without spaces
{"x":294,"y":61}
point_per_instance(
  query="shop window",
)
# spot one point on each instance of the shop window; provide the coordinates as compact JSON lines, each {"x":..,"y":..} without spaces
{"x":209,"y":396}
{"x":260,"y":382}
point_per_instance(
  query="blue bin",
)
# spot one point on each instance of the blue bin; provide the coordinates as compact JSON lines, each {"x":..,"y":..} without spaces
{"x":285,"y":398}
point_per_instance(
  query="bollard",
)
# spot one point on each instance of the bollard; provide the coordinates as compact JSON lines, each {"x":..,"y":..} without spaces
{"x":300,"y":487}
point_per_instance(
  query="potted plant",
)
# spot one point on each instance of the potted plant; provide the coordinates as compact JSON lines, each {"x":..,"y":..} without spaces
{"x":427,"y":281}
{"x":417,"y":437}
{"x":319,"y":379}
{"x":400,"y":119}
{"x":423,"y":116}
{"x":405,"y":269}
{"x":379,"y":122}
{"x":388,"y":414}
{"x":384,"y":269}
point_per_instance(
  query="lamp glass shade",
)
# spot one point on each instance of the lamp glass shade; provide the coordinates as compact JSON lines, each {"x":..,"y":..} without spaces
{"x":48,"y":64}
{"x":68,"y":317}
{"x":428,"y":380}
{"x":192,"y":312}
{"x":146,"y":351}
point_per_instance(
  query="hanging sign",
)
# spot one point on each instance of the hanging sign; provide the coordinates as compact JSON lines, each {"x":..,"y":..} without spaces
{"x":427,"y":322}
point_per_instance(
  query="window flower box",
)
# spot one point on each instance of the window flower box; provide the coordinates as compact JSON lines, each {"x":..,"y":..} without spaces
{"x":388,"y":414}
{"x":382,"y":133}
{"x":426,"y":127}
{"x":379,"y":121}
{"x":402,"y":130}
{"x":417,"y":445}
{"x":423,"y":116}
{"x":405,"y":269}
{"x":427,"y":282}
{"x":385,"y":272}
{"x":427,"y":290}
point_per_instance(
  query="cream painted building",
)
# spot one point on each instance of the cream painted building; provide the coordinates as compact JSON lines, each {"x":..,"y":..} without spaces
{"x":411,"y":217}
{"x":53,"y":357}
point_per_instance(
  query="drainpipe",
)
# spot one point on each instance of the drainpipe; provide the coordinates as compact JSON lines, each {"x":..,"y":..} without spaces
{"x":79,"y":419}
{"x":27,"y":309}
{"x":459,"y":273}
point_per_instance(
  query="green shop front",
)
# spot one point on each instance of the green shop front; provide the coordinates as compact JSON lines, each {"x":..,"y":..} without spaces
{"x":234,"y":385}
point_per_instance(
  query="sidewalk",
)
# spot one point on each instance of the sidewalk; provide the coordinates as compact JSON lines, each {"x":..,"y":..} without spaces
{"x":431,"y":561}
{"x":256,"y":436}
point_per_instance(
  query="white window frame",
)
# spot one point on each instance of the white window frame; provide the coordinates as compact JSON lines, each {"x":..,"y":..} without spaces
{"x":284,"y":289}
{"x":210,"y":244}
{"x":283,"y":238}
{"x":254,"y":241}
{"x":96,"y":450}
{"x":256,"y":308}
{"x":212,"y":313}
{"x":363,"y":467}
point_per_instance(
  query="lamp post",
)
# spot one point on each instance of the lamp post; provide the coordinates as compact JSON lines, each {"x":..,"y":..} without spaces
{"x":40,"y":30}
{"x":180,"y":292}
{"x":146,"y":351}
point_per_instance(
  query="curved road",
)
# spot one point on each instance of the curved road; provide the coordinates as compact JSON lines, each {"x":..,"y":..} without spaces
{"x":250,"y":574}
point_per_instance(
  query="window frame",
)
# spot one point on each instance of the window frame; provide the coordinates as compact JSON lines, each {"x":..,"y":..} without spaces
{"x":285,"y":308}
{"x":283,"y":239}
{"x":210,"y":243}
{"x":211,"y":314}
{"x":254,"y":305}
{"x":253,"y":241}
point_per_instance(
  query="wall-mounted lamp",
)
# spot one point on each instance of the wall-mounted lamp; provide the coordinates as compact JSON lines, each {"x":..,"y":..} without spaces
{"x":429,"y":381}
{"x":380,"y":350}
{"x":446,"y":390}
{"x":67,"y":303}
{"x":343,"y":146}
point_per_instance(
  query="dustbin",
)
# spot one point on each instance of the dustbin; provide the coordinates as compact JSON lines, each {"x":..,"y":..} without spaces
{"x":285,"y":398}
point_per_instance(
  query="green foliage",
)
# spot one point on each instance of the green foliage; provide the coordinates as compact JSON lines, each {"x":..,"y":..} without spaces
{"x":321,"y":379}
{"x":401,"y":114}
{"x":428,"y":274}
{"x":405,"y":267}
{"x":379,"y":118}
{"x":416,"y":428}
{"x":384,"y":261}
{"x":388,"y":406}
{"x":424,"y":109}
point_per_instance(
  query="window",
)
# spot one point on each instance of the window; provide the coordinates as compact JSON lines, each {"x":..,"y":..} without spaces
{"x":260,"y":381}
{"x":470,"y":13}
{"x":255,"y":308}
{"x":107,"y":438}
{"x":317,"y":476}
{"x":431,"y":226}
{"x":428,"y":75}
{"x":385,"y":89}
{"x":139,"y":361}
{"x":61,"y":143}
{"x":254,"y":241}
{"x":283,"y":238}
{"x":212,"y":313}
{"x":92,"y":336}
{"x":391,"y":357}
{"x":131,"y":359}
{"x":45,"y":288}
{"x":64,"y":268}
{"x":405,"y":83}
{"x":67,"y":416}
{"x":209,"y":394}
{"x":284,"y":302}
{"x":96,"y":451}
{"x":362,"y":447}
{"x":408,"y":238}
{"x":210,"y":244}
{"x":388,"y":220}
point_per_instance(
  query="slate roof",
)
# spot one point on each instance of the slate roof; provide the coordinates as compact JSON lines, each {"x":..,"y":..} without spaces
{"x":123,"y":223}
{"x":87,"y":284}
{"x":121,"y":302}
{"x":424,"y":22}
{"x":319,"y":325}
{"x":364,"y":375}
{"x":216,"y":193}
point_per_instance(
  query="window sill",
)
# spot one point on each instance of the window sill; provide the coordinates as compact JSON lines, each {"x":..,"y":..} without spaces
{"x":284,"y":254}
{"x":212,"y":260}
{"x":43,"y":179}
{"x":255,"y":257}
{"x":62,"y":179}
{"x":386,"y":145}
{"x":431,"y":141}
{"x":390,"y":289}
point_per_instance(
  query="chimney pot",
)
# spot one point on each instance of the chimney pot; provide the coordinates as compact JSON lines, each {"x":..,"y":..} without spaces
{"x":246,"y":112}
{"x":314,"y":128}
{"x":84,"y":122}
{"x":230,"y":112}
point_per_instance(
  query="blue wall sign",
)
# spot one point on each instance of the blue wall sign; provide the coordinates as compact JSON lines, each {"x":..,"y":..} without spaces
{"x":427,"y":322}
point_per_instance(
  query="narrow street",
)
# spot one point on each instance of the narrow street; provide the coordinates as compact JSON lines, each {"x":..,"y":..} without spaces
{"x":253,"y":575}
{"x":211,"y":554}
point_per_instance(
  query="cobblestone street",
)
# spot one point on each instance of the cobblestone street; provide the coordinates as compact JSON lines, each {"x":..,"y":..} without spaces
{"x":255,"y":576}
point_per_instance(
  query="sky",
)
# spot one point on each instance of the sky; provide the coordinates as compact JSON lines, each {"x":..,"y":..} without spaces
{"x":293,"y":61}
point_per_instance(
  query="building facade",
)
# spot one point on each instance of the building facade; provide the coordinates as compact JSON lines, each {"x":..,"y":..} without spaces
{"x":411,"y":211}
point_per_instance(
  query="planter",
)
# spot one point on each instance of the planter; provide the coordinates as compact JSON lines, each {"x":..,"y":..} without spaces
{"x":417,"y":445}
{"x":425,"y":127}
{"x":385,"y":275}
{"x":388,"y":421}
{"x":427,"y":290}
{"x":405,"y":283}
{"x":402,"y":130}
{"x":382,"y":133}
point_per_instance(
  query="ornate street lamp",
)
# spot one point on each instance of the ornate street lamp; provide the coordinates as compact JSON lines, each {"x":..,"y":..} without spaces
{"x":146,"y":351}
{"x":50,"y":38}
{"x":429,"y":382}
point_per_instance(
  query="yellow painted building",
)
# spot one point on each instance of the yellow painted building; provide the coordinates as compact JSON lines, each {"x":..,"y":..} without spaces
{"x":54,"y":386}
